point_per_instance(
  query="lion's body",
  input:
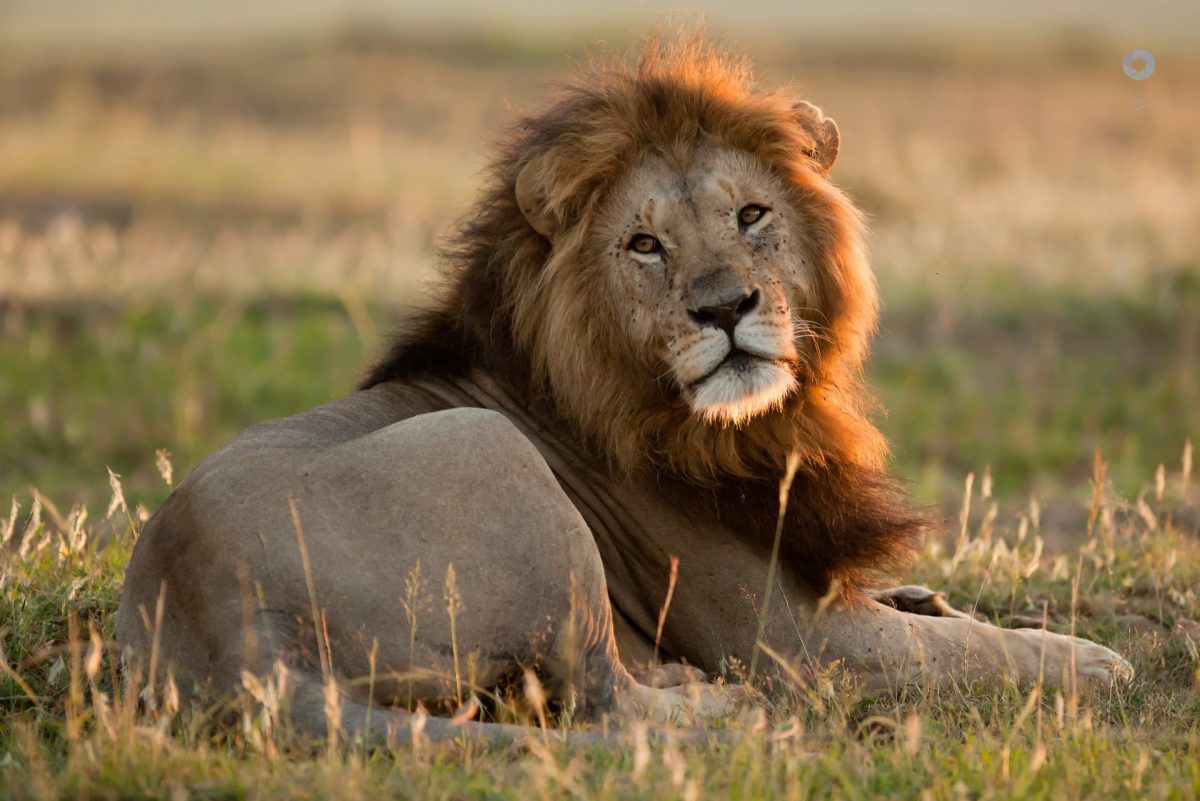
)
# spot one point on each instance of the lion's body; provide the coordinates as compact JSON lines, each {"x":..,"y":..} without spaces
{"x":536,"y":537}
{"x":660,"y":298}
{"x":484,"y":488}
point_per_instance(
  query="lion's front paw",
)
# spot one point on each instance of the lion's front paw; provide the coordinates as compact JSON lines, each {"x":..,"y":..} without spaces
{"x":1091,"y":663}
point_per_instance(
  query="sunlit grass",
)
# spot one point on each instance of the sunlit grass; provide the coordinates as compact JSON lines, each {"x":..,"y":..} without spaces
{"x":76,"y":724}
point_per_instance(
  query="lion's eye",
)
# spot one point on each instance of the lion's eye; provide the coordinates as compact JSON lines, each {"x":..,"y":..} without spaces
{"x":645,"y":244}
{"x":751,"y":214}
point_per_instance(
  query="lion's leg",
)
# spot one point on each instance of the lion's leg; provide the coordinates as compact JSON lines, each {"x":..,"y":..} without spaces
{"x":715,"y":614}
{"x":889,"y":649}
{"x":374,"y":724}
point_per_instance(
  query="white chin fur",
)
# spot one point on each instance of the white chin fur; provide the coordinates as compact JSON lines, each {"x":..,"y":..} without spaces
{"x":734,"y":395}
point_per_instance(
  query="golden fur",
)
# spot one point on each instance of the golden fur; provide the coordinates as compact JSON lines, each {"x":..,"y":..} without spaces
{"x":522,"y":309}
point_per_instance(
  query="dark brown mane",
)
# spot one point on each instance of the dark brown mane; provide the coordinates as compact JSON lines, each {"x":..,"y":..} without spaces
{"x":847,"y":517}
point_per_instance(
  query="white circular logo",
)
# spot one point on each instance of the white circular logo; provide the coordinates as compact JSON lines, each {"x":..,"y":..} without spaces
{"x":1139,"y":65}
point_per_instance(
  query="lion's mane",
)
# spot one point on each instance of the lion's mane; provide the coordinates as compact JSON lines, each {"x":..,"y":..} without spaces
{"x":549,"y":331}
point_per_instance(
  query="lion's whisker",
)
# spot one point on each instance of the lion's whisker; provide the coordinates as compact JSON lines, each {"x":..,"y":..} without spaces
{"x":815,"y":311}
{"x":805,"y":331}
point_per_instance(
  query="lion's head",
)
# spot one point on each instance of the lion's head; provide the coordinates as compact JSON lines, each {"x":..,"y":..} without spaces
{"x":702,"y":260}
{"x":663,"y":261}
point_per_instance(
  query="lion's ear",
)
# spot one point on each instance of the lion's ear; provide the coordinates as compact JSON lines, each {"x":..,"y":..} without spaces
{"x":533,"y":200}
{"x":824,"y":133}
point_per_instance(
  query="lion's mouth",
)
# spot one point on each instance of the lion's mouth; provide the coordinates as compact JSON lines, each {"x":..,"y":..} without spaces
{"x":740,"y":362}
{"x":742,"y":386}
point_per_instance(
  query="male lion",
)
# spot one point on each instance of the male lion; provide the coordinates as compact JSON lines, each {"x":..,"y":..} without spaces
{"x":658,"y":301}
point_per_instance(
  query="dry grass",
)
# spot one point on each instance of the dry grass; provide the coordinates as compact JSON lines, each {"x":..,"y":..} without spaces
{"x":1029,"y":168}
{"x":77,"y":725}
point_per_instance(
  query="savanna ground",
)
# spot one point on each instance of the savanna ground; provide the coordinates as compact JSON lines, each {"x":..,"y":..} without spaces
{"x":189,"y":244}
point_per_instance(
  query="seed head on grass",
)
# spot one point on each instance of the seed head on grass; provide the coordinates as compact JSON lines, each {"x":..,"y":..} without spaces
{"x":414,"y":602}
{"x":454,"y":606}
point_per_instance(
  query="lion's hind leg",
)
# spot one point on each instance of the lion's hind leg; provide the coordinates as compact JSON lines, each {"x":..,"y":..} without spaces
{"x":512,"y":579}
{"x":314,"y":704}
{"x":313,"y":701}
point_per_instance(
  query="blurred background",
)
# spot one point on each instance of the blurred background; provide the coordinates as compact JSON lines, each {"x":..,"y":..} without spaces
{"x":212,"y":212}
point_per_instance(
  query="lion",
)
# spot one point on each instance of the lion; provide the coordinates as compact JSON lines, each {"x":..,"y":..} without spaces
{"x":649,"y":346}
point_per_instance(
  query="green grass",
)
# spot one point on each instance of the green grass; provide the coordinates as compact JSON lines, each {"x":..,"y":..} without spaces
{"x":1025,"y":386}
{"x":1032,"y":383}
{"x":125,"y":382}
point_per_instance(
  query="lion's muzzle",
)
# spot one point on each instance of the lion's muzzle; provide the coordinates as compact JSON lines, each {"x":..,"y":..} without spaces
{"x":740,"y":362}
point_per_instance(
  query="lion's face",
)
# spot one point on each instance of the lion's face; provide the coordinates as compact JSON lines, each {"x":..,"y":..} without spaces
{"x":706,"y":262}
{"x":665,"y":260}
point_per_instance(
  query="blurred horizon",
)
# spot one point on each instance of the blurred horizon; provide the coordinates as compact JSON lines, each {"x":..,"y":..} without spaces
{"x":1168,"y":25}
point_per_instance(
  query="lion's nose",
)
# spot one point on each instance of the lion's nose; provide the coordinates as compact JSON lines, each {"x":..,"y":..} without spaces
{"x":725,"y":315}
